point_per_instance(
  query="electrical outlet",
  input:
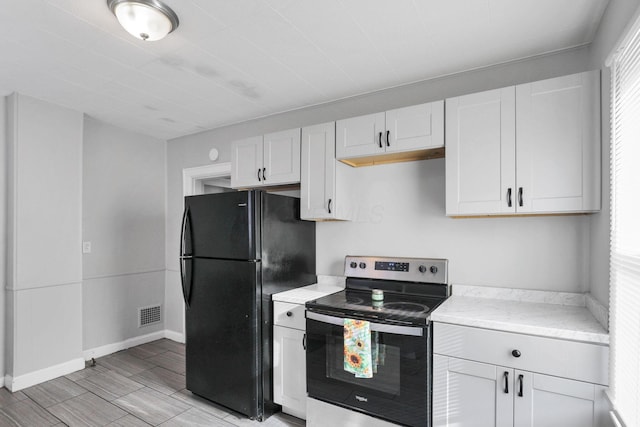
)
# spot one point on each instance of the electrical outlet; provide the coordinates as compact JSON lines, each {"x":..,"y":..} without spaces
{"x":86,"y":247}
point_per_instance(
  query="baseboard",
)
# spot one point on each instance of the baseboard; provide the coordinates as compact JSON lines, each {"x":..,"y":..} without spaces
{"x":122,"y":345}
{"x":33,"y":378}
{"x":24,"y":381}
{"x":108,"y":349}
{"x":174,"y":336}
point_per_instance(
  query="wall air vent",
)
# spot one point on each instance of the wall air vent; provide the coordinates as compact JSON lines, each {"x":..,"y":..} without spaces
{"x":149,"y":315}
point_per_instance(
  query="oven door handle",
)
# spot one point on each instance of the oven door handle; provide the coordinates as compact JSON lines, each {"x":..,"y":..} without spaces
{"x":376,"y":327}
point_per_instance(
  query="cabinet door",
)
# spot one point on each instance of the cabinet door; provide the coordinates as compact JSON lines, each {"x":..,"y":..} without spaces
{"x":415,"y":128}
{"x":546,"y":401}
{"x":360,"y":136}
{"x":318,"y":172}
{"x":246,"y":162}
{"x":467,"y":393}
{"x":282,"y":157}
{"x":558,"y":139}
{"x":480,"y":160}
{"x":289,"y":371}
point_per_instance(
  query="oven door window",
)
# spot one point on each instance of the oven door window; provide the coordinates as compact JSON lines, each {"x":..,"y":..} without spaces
{"x":385,"y":360}
{"x":399,"y":388}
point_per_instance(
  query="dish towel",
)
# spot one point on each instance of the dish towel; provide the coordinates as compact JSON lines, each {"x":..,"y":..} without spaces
{"x":357,"y":348}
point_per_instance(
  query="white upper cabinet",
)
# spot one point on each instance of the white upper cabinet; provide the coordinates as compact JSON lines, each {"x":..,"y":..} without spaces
{"x":393,"y":134}
{"x":246,"y":162}
{"x":271,"y":159}
{"x":324,"y":181}
{"x":527,"y":149}
{"x":480,"y":160}
{"x":360,"y":136}
{"x":558,"y":135}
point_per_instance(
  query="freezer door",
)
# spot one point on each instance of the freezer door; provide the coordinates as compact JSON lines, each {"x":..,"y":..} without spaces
{"x":223,"y":355}
{"x":222,"y":225}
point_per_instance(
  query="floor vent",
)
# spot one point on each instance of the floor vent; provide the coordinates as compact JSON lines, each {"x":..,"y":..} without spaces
{"x":148,"y":315}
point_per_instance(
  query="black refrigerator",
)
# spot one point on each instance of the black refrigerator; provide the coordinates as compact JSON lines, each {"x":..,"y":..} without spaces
{"x":237,"y":249}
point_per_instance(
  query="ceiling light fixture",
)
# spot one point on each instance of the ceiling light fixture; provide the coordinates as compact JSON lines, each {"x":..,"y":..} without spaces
{"x":147,"y":20}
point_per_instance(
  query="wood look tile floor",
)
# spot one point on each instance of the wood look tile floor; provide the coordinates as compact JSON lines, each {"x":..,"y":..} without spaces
{"x":140,"y":386}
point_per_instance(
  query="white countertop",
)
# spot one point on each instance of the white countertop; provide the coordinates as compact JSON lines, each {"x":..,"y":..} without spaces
{"x":535,"y":318}
{"x":326,"y":285}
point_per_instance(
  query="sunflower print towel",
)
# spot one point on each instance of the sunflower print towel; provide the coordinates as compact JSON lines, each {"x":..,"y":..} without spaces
{"x":357,"y":348}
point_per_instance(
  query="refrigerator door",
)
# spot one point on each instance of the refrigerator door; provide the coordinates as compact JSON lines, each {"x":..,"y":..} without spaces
{"x":222,"y":226}
{"x":223,"y":334}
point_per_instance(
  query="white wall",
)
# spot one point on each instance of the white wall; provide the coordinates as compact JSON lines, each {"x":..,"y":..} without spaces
{"x":401,"y":211}
{"x":538,"y":253}
{"x":618,"y":15}
{"x":124,"y":219}
{"x":44,"y":202}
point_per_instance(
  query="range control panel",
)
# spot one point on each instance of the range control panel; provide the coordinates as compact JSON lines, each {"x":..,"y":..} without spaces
{"x":427,"y":270}
{"x":391,"y":266}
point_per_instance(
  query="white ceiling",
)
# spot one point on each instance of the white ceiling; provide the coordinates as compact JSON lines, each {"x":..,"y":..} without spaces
{"x":234,"y":60}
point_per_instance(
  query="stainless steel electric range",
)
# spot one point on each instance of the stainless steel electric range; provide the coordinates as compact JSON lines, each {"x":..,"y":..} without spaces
{"x":395,"y":296}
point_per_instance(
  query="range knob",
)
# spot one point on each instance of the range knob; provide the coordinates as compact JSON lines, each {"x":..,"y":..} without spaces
{"x":353,"y":264}
{"x":433,"y":269}
{"x":422,"y":269}
{"x":363,"y":265}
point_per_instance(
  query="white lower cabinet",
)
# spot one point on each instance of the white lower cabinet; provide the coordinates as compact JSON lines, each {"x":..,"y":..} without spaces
{"x":467,"y":393}
{"x":289,"y":359}
{"x":478,"y":393}
{"x":474,"y":394}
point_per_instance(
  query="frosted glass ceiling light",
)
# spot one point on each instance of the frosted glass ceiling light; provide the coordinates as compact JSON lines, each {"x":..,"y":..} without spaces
{"x":147,"y":20}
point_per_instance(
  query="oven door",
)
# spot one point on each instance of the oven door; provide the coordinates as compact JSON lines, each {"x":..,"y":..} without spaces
{"x":400,"y":387}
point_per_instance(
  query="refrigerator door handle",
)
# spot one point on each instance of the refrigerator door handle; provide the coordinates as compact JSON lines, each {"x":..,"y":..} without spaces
{"x":183,"y":280}
{"x":186,"y":291}
{"x":183,"y":231}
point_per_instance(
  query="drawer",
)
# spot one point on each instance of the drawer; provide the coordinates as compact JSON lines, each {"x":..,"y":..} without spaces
{"x":289,"y":315}
{"x":568,"y":359}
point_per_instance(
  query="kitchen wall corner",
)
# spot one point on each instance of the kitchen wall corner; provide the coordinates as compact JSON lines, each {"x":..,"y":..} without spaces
{"x":3,"y":234}
{"x":617,"y":17}
{"x":124,"y":208}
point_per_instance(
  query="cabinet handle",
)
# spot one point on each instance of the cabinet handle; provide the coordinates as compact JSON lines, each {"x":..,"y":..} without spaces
{"x":304,"y":341}
{"x":329,"y":206}
{"x":259,"y":179}
{"x":520,"y":196}
{"x":264,"y":174}
{"x":380,"y":139}
{"x":506,"y":382}
{"x":509,"y":204}
{"x":516,"y":353}
{"x":388,"y":145}
{"x":289,"y":314}
{"x":520,"y":381}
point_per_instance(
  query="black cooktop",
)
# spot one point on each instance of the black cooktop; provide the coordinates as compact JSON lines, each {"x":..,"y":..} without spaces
{"x":396,"y":308}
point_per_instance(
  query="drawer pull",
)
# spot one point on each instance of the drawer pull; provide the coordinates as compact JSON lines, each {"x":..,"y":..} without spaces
{"x":520,"y":381}
{"x":516,"y":353}
{"x":289,"y":314}
{"x":506,"y":382}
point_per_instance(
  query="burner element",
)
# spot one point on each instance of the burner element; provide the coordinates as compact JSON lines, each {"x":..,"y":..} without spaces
{"x":406,"y":306}
{"x":354,"y":300}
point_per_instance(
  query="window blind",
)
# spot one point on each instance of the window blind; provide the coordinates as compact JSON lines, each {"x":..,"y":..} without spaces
{"x":625,"y":231}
